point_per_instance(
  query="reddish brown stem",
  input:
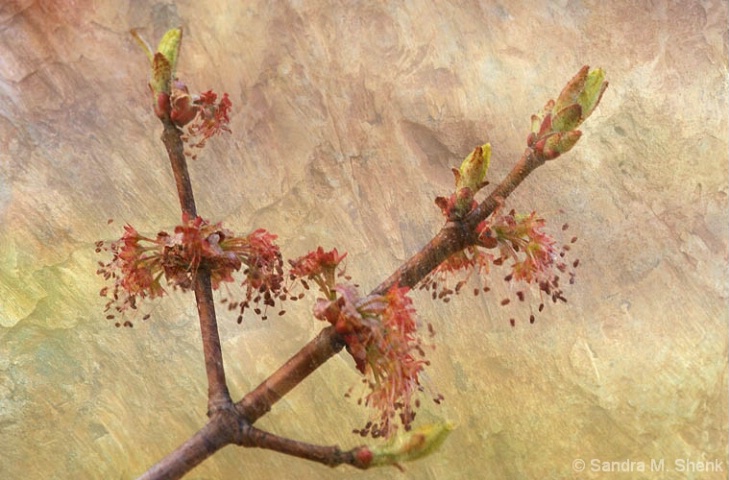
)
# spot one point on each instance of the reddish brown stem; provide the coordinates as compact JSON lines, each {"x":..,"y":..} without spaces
{"x":218,"y":395}
{"x":328,"y":455}
{"x":172,"y":138}
{"x":216,"y":434}
{"x":226,"y":428}
{"x":528,"y":162}
{"x":452,"y":238}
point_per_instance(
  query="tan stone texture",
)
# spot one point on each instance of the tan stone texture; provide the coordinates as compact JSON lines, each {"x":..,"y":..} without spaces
{"x":347,"y":119}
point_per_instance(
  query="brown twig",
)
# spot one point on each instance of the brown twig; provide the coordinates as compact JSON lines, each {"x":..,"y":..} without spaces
{"x":171,"y":137}
{"x":528,"y":162}
{"x":328,"y":455}
{"x":225,"y":428}
{"x":221,"y":429}
{"x":218,"y":395}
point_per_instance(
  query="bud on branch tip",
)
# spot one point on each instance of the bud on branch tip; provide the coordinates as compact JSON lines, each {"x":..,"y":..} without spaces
{"x":412,"y":445}
{"x":164,"y":60}
{"x":554,"y":131}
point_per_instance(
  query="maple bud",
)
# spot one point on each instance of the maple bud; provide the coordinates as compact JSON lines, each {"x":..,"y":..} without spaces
{"x":164,"y":64}
{"x":569,"y":118}
{"x":183,"y":109}
{"x":554,"y":130}
{"x":584,"y":89}
{"x":472,"y":173}
{"x":559,"y":143}
{"x":412,"y":445}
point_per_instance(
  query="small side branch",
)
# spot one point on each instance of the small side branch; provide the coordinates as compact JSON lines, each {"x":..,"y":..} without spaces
{"x":455,"y":236}
{"x":328,"y":455}
{"x":218,"y":395}
{"x":172,"y":138}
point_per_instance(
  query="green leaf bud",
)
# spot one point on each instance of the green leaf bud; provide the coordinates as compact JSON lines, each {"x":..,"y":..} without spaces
{"x":473,"y":169}
{"x":412,"y":445}
{"x":567,"y":119}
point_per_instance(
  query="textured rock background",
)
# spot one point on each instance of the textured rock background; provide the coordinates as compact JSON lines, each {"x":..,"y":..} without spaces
{"x":347,"y":119}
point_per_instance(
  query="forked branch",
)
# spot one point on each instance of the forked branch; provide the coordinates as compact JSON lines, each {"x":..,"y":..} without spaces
{"x":554,"y":132}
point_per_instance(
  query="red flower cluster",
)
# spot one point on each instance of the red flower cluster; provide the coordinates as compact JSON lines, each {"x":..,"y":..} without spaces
{"x":319,"y":266}
{"x":213,"y":116}
{"x":264,"y":272}
{"x":520,"y":237}
{"x":139,"y":263}
{"x":380,"y":334}
{"x":534,"y":255}
{"x":209,"y":116}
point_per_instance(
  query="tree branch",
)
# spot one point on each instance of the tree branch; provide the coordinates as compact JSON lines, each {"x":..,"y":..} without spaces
{"x":328,"y":455}
{"x":218,"y":394}
{"x":171,"y":137}
{"x":528,"y":162}
{"x":230,"y":423}
{"x":235,"y":425}
{"x":223,"y":428}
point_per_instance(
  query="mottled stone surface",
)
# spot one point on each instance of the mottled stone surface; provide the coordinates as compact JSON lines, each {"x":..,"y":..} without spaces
{"x":347,"y":119}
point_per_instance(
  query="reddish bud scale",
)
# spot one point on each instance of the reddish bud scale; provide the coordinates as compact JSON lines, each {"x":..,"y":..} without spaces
{"x":364,"y":456}
{"x":550,"y":153}
{"x":162,"y":105}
